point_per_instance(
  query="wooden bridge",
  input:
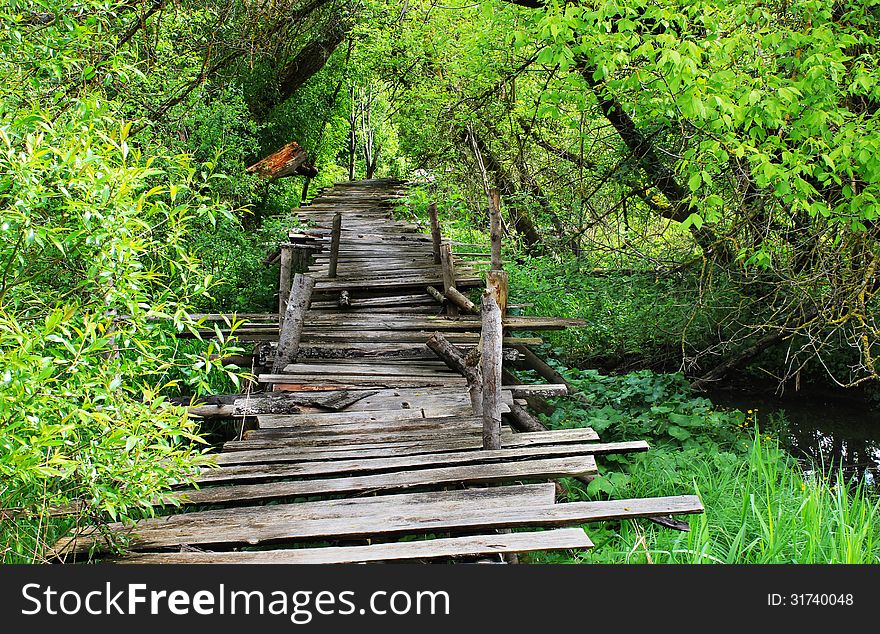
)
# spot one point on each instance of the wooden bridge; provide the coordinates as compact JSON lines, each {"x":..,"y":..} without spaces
{"x":389,"y":429}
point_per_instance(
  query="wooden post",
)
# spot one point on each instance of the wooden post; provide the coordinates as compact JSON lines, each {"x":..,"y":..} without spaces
{"x":495,"y":228}
{"x":466,"y":365}
{"x":294,"y":315}
{"x":335,"y":237}
{"x":497,"y":285}
{"x":448,"y":263}
{"x":435,"y":231}
{"x":284,"y":282}
{"x":490,"y":339}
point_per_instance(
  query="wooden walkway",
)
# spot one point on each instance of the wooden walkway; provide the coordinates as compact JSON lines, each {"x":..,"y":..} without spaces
{"x":384,"y":443}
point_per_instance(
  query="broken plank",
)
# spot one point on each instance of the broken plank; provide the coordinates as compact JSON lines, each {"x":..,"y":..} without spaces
{"x":538,"y":469}
{"x":249,"y":451}
{"x":240,"y":525}
{"x":265,"y":524}
{"x":308,"y":469}
{"x":470,"y":545}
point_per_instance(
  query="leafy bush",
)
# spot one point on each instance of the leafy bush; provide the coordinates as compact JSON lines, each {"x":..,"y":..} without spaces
{"x":98,"y":278}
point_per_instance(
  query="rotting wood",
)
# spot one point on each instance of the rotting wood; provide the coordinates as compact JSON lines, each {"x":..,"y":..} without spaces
{"x":377,"y":439}
{"x":216,"y":526}
{"x":440,"y":297}
{"x":310,"y":469}
{"x":490,"y":368}
{"x":529,"y":391}
{"x":466,"y":474}
{"x":335,"y":238}
{"x":435,"y":231}
{"x":289,"y":160}
{"x":495,"y":228}
{"x":265,"y":524}
{"x":471,"y":545}
{"x":248,"y":452}
{"x":497,"y":285}
{"x":284,"y":281}
{"x":523,"y":420}
{"x":466,"y":365}
{"x":447,"y":261}
{"x":463,"y":303}
{"x":288,"y":342}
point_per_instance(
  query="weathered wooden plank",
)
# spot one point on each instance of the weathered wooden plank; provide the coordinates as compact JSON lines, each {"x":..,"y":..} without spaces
{"x":324,"y":440}
{"x":540,"y":469}
{"x":367,"y":427}
{"x":371,"y":369}
{"x":296,"y":381}
{"x":530,"y":391}
{"x":265,"y":524}
{"x":254,"y":451}
{"x":471,"y":545}
{"x":309,"y":469}
{"x":257,"y":524}
{"x":269,"y":421}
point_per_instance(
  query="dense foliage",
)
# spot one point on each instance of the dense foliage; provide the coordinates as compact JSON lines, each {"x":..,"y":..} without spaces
{"x":697,"y":179}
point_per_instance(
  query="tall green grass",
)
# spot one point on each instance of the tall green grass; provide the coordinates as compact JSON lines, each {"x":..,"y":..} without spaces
{"x":765,"y":509}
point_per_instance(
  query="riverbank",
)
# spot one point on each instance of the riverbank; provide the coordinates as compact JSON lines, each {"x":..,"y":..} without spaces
{"x":762,"y":504}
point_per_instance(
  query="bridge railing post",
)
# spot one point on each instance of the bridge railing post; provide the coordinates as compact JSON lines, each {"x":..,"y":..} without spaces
{"x":435,"y":231}
{"x":284,"y":281}
{"x":335,"y":237}
{"x":294,"y":315}
{"x":448,"y":266}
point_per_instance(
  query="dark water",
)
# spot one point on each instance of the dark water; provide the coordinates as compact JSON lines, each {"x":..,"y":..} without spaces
{"x":823,"y":431}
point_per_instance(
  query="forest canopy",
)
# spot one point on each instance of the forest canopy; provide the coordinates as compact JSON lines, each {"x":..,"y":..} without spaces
{"x":728,"y":149}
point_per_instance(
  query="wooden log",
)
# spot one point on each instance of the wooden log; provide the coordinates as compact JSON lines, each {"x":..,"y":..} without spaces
{"x":448,"y":264}
{"x":335,"y":238}
{"x":289,"y":339}
{"x":540,"y":366}
{"x":490,"y":364}
{"x":523,"y":421}
{"x":440,"y":297}
{"x":497,"y":285}
{"x":495,"y":229}
{"x":290,"y":160}
{"x":284,"y":280}
{"x":435,"y":231}
{"x":456,"y":297}
{"x":466,"y":365}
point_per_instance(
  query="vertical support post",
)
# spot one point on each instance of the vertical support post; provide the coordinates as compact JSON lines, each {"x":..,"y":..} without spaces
{"x":284,"y":281}
{"x":497,"y":285}
{"x":435,"y":231}
{"x":335,"y":236}
{"x":448,"y":264}
{"x":490,"y":362}
{"x":495,"y":228}
{"x":294,"y":316}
